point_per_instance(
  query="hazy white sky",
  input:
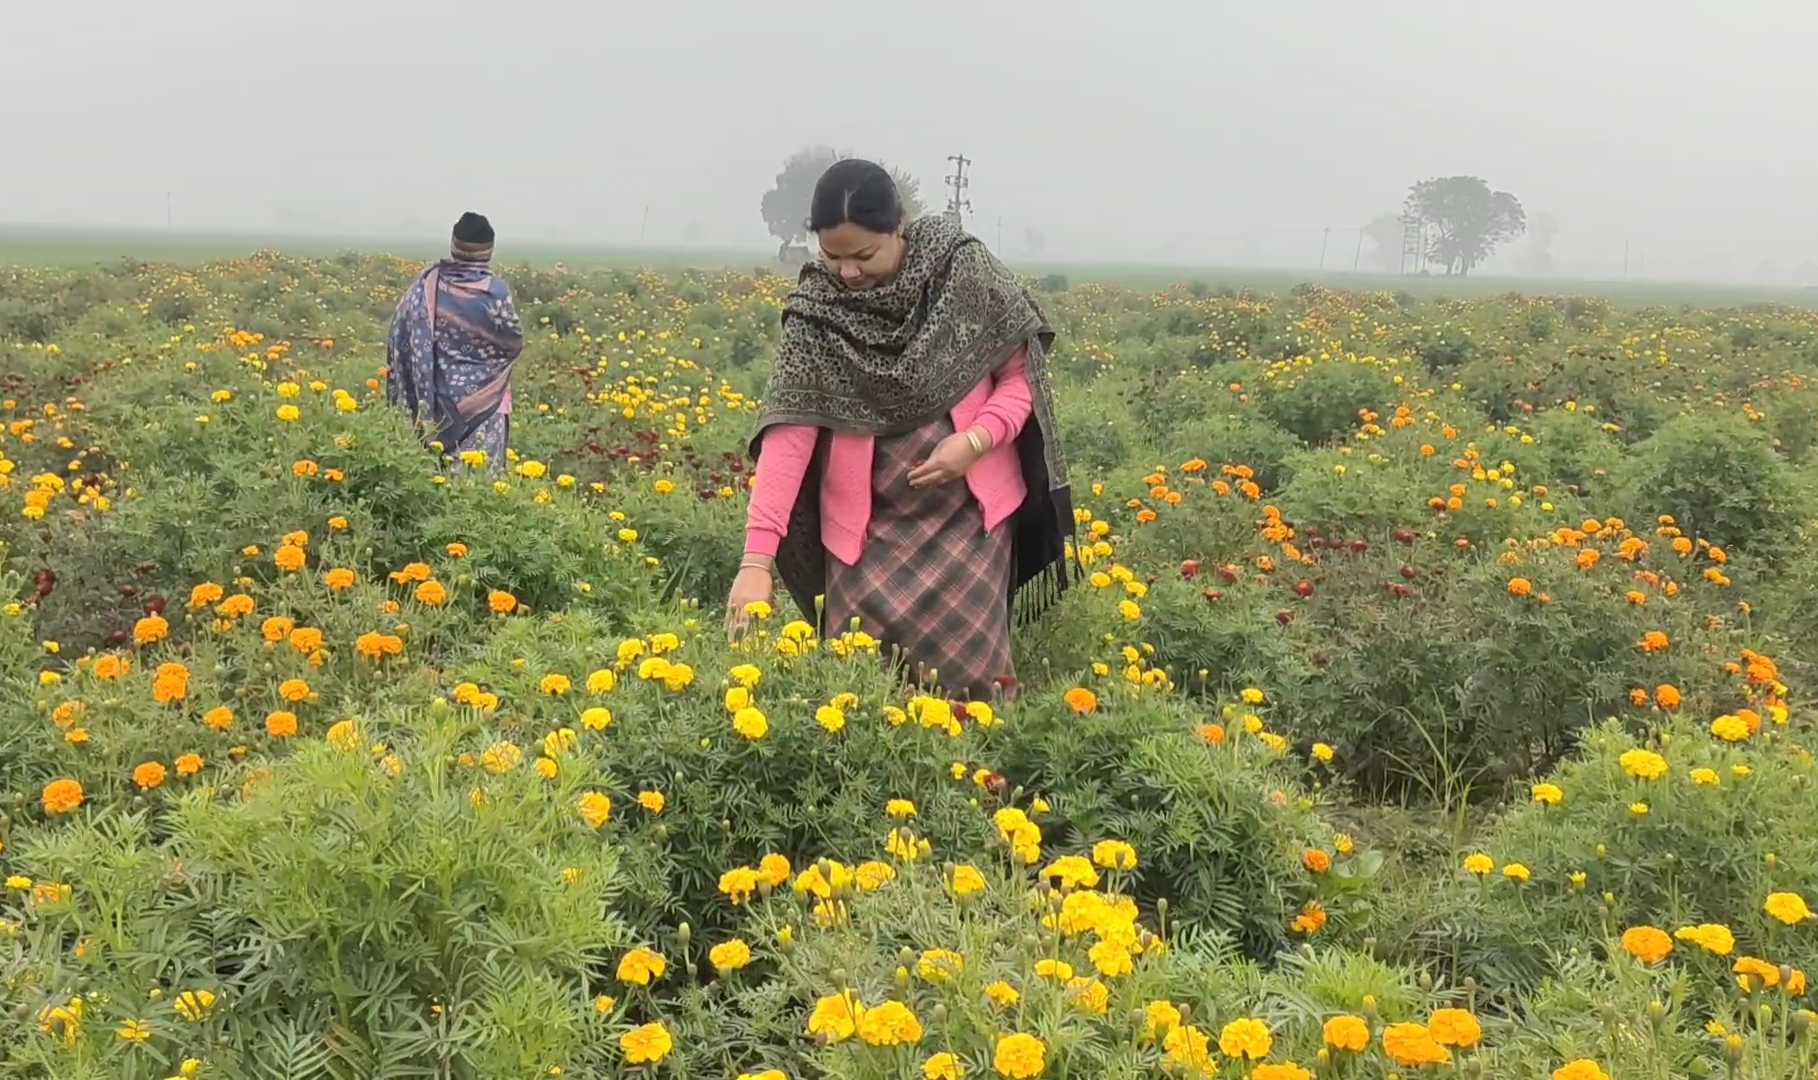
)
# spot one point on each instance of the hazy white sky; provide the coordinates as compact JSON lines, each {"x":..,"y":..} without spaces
{"x":1186,"y":130}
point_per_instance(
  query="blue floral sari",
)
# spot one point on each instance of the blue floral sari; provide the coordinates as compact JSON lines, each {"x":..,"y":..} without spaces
{"x":454,"y":342}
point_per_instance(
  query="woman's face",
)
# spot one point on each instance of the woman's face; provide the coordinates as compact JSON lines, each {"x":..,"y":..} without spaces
{"x":858,"y":257}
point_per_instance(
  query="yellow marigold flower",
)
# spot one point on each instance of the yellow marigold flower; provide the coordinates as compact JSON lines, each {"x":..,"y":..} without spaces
{"x":652,"y":801}
{"x":751,"y":723}
{"x":1517,"y":872}
{"x":1114,"y":855}
{"x":596,"y":718}
{"x":835,"y":1017}
{"x":194,"y":1005}
{"x":646,"y":1044}
{"x":555,"y":684}
{"x":1245,"y":1038}
{"x":1731,"y":728}
{"x":1642,"y":764}
{"x":596,"y":809}
{"x":729,"y":955}
{"x":1550,"y":794}
{"x":1581,"y":1069}
{"x":889,"y":1024}
{"x":966,"y":880}
{"x":942,"y":1066}
{"x":1787,"y":907}
{"x":1020,"y":1056}
{"x":1714,"y":938}
{"x":641,"y":967}
{"x":1479,"y":864}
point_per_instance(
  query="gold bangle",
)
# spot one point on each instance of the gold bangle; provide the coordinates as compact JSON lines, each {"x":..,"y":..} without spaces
{"x":978,"y":444}
{"x":765,"y":567}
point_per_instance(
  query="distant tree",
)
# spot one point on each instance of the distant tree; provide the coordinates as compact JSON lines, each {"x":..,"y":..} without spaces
{"x":1538,"y":259}
{"x":785,"y":206}
{"x":1385,"y":234}
{"x":1469,"y":220}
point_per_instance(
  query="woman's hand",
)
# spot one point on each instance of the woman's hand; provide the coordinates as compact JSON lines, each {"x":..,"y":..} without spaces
{"x":753,"y":585}
{"x":956,"y":453}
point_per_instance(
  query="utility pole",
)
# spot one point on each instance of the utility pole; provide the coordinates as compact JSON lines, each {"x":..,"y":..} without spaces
{"x":644,"y":226}
{"x":1357,"y":259}
{"x":1324,"y":239}
{"x":958,"y":183}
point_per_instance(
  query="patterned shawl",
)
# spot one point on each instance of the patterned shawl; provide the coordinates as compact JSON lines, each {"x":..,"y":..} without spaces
{"x":454,"y":342}
{"x":886,"y":360}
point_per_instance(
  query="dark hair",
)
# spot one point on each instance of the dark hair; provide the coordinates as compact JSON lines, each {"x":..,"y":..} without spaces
{"x":473,"y":229}
{"x":859,"y":191}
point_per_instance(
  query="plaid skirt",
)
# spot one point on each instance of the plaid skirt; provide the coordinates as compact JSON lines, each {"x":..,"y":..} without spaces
{"x":932,"y":585}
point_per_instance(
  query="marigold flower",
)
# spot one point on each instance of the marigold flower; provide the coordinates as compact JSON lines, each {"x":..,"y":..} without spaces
{"x":1245,"y":1038}
{"x":501,"y":602}
{"x":835,"y":1017}
{"x":596,"y":809}
{"x":1520,"y":587}
{"x":942,"y":1066}
{"x":889,"y":1024}
{"x":1581,"y":1069}
{"x":652,"y":801}
{"x":1479,"y":864}
{"x":61,"y":796}
{"x":1081,"y":700}
{"x":1454,"y":1027}
{"x":646,"y":1044}
{"x":1347,"y":1032}
{"x":1020,"y":1056}
{"x":1642,"y":764}
{"x":1787,"y":907}
{"x":189,"y":764}
{"x":1648,"y":944}
{"x":281,"y":724}
{"x":1315,"y":860}
{"x":1412,"y":1045}
{"x":729,"y":955}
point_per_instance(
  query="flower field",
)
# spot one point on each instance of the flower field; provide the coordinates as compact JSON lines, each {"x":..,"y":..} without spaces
{"x":1434,"y":702}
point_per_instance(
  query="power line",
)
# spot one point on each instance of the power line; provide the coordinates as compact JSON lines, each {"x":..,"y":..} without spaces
{"x":958,"y":183}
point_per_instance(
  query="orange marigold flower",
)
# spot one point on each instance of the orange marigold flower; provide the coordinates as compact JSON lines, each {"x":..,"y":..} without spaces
{"x":189,"y":764}
{"x":1666,"y":695}
{"x":1213,"y":734}
{"x":501,"y":601}
{"x":289,"y":558}
{"x":276,"y":628}
{"x":237,"y":606}
{"x":1653,"y":641}
{"x":1081,"y":700}
{"x":339,"y":579}
{"x":1315,"y":860}
{"x":149,"y":775}
{"x":111,"y":668}
{"x":293,"y":690}
{"x":1520,"y":587}
{"x":62,"y":796}
{"x":306,"y":639}
{"x":431,"y":594}
{"x":281,"y":724}
{"x":219,"y":718}
{"x":151,"y":630}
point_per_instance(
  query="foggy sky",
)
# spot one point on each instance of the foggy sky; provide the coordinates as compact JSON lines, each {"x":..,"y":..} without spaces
{"x":1186,"y":131}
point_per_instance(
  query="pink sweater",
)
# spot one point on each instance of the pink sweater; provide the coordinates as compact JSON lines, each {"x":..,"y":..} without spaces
{"x":999,"y":405}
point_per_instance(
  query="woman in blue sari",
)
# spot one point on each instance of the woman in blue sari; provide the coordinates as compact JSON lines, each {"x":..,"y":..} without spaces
{"x":454,"y":341}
